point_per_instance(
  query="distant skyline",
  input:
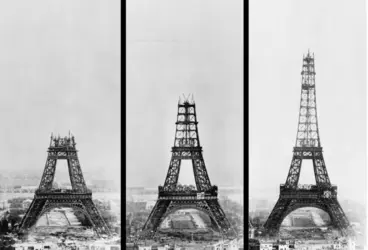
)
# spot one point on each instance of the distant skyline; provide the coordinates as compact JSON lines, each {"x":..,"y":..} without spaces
{"x":279,"y":35}
{"x":60,"y":71}
{"x":183,"y":47}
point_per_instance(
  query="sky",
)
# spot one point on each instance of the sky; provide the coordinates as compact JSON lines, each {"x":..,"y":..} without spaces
{"x":279,"y":35}
{"x":60,"y":71}
{"x":182,"y":47}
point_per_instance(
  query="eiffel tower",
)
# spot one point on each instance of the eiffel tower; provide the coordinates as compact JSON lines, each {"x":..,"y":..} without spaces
{"x":79,"y":198}
{"x":173,"y":196}
{"x":323,"y":195}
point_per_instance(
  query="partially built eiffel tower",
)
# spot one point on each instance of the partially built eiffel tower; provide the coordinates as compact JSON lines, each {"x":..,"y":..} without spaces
{"x":79,"y":197}
{"x":172,"y":196}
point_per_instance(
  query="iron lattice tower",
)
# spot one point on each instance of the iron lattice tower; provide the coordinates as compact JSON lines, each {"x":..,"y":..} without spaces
{"x":79,"y":197}
{"x":173,"y":196}
{"x":323,"y":195}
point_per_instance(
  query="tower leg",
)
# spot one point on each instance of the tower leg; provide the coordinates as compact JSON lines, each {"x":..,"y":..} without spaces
{"x":219,"y":214}
{"x":156,"y":215}
{"x":95,"y":216}
{"x":33,"y":213}
{"x":278,"y":213}
{"x":337,"y":215}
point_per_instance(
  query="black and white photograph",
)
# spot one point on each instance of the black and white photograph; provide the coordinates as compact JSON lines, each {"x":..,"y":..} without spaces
{"x":307,"y":162}
{"x":60,"y":184}
{"x":184,"y":124}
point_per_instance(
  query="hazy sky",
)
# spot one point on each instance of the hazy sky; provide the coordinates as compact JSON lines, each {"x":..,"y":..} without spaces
{"x":176,"y":47}
{"x":279,"y":36}
{"x":60,"y":70}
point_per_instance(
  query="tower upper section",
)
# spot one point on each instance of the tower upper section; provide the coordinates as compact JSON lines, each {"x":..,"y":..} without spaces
{"x":308,"y":133}
{"x":186,"y":135}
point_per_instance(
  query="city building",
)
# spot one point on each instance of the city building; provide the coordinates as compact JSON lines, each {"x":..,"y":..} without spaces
{"x":100,"y":246}
{"x":26,"y":203}
{"x":348,"y":244}
{"x":336,"y":245}
{"x":131,"y":246}
{"x":117,"y":229}
{"x":163,"y":247}
{"x":144,"y":247}
{"x":4,"y":204}
{"x":230,"y":245}
{"x":34,"y":246}
{"x":282,"y":246}
{"x":16,"y":204}
{"x":253,"y":244}
{"x":266,"y":245}
{"x":223,"y":245}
